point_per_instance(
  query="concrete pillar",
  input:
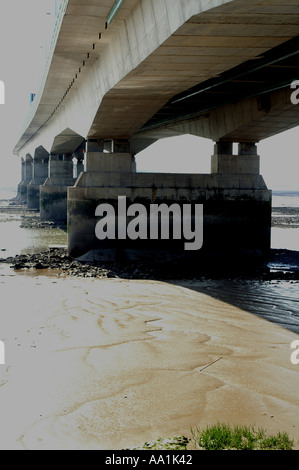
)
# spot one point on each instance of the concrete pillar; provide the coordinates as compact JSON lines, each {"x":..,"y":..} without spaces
{"x":121,"y":146}
{"x":22,"y":170}
{"x":28,"y":170}
{"x":249,"y":213}
{"x":40,"y":169}
{"x":104,"y":162}
{"x":247,"y":148}
{"x":113,"y":162}
{"x":246,"y":162}
{"x":53,"y":193}
{"x":109,"y":155}
{"x":26,"y":178}
{"x":60,"y":167}
{"x":39,"y":176}
{"x":21,"y":193}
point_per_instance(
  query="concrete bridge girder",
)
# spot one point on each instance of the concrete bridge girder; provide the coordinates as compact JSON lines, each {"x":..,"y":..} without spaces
{"x":187,"y":57}
{"x":246,"y":121}
{"x":149,"y":53}
{"x":55,"y":138}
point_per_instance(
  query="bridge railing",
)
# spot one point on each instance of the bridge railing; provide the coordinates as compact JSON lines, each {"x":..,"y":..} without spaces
{"x":61,"y":7}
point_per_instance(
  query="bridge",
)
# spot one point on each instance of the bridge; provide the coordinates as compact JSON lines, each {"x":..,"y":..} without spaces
{"x":123,"y":74}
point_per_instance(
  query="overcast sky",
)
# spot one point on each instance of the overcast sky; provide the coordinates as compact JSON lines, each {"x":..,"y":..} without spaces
{"x":25,"y":28}
{"x":25,"y":31}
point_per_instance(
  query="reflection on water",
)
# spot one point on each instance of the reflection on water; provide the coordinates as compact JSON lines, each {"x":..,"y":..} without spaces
{"x":276,"y":301}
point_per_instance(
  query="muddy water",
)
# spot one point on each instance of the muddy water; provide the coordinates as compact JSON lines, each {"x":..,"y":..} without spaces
{"x":276,"y":301}
{"x":17,"y":240}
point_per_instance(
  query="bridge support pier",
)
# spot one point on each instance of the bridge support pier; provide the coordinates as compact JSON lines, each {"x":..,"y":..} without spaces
{"x":245,"y":205}
{"x":53,"y":193}
{"x":40,"y":174}
{"x":21,"y":184}
{"x":236,"y":204}
{"x":26,"y":170}
{"x":225,"y":162}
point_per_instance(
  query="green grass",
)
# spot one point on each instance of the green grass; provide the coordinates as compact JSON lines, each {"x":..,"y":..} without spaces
{"x":222,"y":436}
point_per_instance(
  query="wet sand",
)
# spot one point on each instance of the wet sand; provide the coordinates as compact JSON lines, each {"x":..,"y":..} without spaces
{"x":112,"y":363}
{"x":285,"y":217}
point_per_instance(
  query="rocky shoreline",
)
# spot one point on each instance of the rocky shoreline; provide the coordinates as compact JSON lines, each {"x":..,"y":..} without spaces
{"x":58,"y":259}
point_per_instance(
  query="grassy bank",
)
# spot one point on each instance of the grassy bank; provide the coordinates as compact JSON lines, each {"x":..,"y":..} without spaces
{"x":224,"y":437}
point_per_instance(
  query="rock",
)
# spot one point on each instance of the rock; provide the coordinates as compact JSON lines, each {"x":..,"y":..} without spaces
{"x":18,"y":266}
{"x":40,"y":266}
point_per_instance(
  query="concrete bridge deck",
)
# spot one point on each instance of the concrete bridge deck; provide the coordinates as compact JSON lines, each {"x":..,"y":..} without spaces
{"x":122,"y":75}
{"x":108,"y":83}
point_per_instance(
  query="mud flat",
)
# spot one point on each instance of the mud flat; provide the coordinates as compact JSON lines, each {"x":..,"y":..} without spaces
{"x":112,"y":363}
{"x":285,"y":217}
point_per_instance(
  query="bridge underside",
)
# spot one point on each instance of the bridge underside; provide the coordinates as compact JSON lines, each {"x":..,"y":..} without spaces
{"x":222,"y":73}
{"x":248,"y":103}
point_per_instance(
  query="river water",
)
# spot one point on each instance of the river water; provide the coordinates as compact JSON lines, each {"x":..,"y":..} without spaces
{"x":277,"y":301}
{"x":14,"y":239}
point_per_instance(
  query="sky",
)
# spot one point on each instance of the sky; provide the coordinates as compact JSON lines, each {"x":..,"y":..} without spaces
{"x":25,"y":30}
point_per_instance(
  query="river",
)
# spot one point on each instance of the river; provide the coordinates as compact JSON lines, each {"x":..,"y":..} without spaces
{"x":275,"y":300}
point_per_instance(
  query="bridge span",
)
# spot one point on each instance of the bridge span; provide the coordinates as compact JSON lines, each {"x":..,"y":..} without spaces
{"x":124,"y":74}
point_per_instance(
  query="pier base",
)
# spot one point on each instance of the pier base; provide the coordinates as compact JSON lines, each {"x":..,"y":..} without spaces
{"x":26,"y":178}
{"x":237,"y":212}
{"x":53,"y":200}
{"x":40,"y":174}
{"x":33,"y":196}
{"x":53,"y":193}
